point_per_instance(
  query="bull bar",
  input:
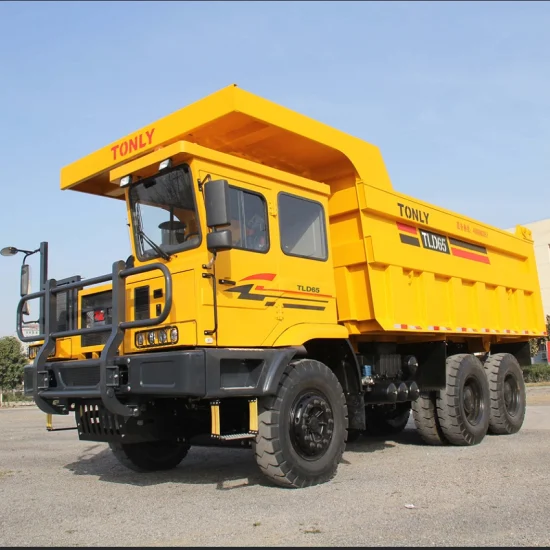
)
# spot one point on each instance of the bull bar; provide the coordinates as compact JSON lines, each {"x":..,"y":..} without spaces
{"x":109,"y":371}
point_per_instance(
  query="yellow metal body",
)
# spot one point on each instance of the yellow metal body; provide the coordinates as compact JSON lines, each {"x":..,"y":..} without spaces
{"x":384,"y":278}
{"x":215,"y":418}
{"x":253,"y":415}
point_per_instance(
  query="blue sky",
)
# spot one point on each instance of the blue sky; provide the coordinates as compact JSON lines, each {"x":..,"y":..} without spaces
{"x":455,"y":94}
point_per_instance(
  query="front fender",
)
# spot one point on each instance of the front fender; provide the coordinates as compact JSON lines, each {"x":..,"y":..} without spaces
{"x":297,"y":335}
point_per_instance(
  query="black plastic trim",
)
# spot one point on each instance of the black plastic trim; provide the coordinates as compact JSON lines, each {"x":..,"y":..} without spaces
{"x":181,"y":373}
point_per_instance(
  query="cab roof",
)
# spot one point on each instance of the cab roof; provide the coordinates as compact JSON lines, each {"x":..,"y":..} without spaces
{"x":242,"y":124}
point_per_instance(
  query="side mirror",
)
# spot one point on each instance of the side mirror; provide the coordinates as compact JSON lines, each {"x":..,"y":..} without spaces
{"x":217,"y":203}
{"x":25,"y":286}
{"x":218,"y":241}
{"x":25,"y":279}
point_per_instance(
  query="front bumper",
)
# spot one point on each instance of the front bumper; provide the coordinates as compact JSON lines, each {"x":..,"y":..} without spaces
{"x":202,"y":373}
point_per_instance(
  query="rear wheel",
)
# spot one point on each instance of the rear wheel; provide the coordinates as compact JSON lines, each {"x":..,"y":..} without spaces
{"x":507,"y":391}
{"x":150,"y":456}
{"x":302,"y":430}
{"x":425,"y":418}
{"x":463,"y":408}
{"x":387,"y":419}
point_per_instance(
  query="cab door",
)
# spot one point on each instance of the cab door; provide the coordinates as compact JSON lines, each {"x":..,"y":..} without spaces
{"x":246,"y":277}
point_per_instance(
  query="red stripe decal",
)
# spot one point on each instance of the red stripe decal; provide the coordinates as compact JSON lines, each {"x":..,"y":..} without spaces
{"x":258,"y":287}
{"x":261,"y":277}
{"x":406,"y":228}
{"x":470,"y":255}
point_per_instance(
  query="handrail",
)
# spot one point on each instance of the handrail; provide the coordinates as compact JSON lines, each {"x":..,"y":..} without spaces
{"x":96,"y":280}
{"x":82,"y":283}
{"x":168,"y":300}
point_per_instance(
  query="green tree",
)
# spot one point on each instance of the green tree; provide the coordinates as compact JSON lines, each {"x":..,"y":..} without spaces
{"x":12,"y":361}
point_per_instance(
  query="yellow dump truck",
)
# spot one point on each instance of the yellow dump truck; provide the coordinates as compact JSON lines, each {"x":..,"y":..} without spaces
{"x":280,"y":295}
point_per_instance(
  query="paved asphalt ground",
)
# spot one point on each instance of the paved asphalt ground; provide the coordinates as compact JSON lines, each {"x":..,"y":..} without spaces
{"x":57,"y":491}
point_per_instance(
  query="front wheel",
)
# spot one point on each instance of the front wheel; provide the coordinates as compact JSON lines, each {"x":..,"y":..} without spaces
{"x":302,"y":430}
{"x":150,"y":456}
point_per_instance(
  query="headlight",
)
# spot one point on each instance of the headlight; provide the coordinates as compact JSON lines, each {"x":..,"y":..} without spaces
{"x":160,"y":336}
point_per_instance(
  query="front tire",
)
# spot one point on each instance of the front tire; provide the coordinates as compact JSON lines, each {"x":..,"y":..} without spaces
{"x":302,"y":430}
{"x":150,"y":456}
{"x":463,"y":408}
{"x":507,"y":391}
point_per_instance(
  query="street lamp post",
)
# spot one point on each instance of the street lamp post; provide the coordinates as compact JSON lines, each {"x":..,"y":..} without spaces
{"x":12,"y":251}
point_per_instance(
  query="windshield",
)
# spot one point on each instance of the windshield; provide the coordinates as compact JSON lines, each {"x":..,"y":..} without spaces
{"x":164,"y":212}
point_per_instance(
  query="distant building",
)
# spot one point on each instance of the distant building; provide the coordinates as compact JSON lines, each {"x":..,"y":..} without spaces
{"x":541,"y":237}
{"x":31,"y":329}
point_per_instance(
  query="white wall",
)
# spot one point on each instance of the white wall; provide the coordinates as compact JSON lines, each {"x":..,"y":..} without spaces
{"x":32,"y":329}
{"x":541,"y":236}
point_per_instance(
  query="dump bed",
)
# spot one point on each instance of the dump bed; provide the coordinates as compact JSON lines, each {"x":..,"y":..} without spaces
{"x":400,"y":264}
{"x":414,"y":267}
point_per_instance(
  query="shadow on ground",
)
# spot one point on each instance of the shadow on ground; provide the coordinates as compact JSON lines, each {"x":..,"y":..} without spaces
{"x":227,"y":469}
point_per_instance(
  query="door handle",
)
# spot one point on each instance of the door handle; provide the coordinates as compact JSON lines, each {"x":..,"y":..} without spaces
{"x":226,"y":282}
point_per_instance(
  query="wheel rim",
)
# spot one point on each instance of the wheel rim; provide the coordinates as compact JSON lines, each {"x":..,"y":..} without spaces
{"x":472,"y":401}
{"x":311,"y":424}
{"x":511,"y":395}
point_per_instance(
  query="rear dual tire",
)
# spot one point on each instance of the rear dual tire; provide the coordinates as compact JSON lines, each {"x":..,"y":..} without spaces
{"x":425,"y":419}
{"x":463,"y":408}
{"x":507,"y":394}
{"x":478,"y":399}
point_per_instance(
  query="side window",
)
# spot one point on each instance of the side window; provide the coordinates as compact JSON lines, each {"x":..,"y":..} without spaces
{"x":302,"y":227}
{"x":248,"y":220}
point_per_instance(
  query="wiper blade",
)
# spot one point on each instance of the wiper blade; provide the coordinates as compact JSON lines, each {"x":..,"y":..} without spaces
{"x":154,"y":245}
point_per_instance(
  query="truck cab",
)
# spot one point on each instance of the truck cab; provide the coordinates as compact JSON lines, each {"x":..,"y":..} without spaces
{"x":230,"y":273}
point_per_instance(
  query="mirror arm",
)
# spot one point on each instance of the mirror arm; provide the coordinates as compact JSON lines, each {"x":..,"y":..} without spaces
{"x":210,"y":264}
{"x":201,"y":183}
